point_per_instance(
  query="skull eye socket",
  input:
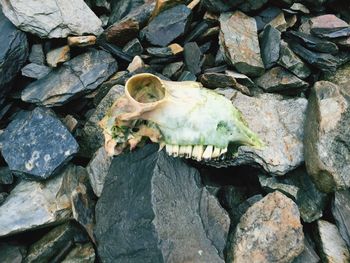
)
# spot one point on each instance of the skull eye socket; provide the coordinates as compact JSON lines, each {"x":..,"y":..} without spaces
{"x":145,"y":88}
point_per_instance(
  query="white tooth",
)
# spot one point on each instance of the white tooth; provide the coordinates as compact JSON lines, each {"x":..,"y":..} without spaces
{"x":197,"y":152}
{"x":169,"y":149}
{"x":189,"y":150}
{"x":175,"y":150}
{"x":161,"y":146}
{"x":216,"y":152}
{"x":223,"y":151}
{"x":208,"y":152}
{"x":182,"y":150}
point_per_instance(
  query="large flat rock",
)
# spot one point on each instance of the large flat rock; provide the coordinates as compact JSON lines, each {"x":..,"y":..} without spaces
{"x":36,"y":144}
{"x":52,"y":18}
{"x":74,"y":78}
{"x":154,"y":208}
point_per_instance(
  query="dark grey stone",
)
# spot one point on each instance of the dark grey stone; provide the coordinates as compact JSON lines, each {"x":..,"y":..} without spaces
{"x":266,"y":16}
{"x":270,"y":46}
{"x":314,"y":43}
{"x":280,"y":80}
{"x":120,"y":9}
{"x":133,"y":48}
{"x":37,"y":144}
{"x":308,"y":255}
{"x":13,"y":52}
{"x":252,"y":5}
{"x":163,"y":213}
{"x":11,"y":253}
{"x":292,"y":62}
{"x":74,"y":78}
{"x":341,"y":213}
{"x":37,"y":55}
{"x":3,"y":197}
{"x":35,"y":71}
{"x":160,"y":52}
{"x":171,"y":69}
{"x":186,"y":75}
{"x":298,"y":186}
{"x":222,"y":80}
{"x":193,"y":58}
{"x":6,"y":176}
{"x":219,"y":6}
{"x":168,"y":25}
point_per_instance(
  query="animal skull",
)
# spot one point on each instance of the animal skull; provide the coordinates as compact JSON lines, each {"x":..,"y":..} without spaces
{"x":189,"y":120}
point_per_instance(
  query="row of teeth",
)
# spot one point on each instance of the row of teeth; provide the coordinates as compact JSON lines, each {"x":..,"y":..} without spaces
{"x":197,"y":152}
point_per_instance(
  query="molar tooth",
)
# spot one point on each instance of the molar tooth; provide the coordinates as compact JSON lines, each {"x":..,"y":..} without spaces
{"x":169,"y":149}
{"x":182,"y":151}
{"x":216,"y":152}
{"x":197,"y":152}
{"x":188,"y":151}
{"x":175,"y":150}
{"x":223,"y":151}
{"x":208,"y":152}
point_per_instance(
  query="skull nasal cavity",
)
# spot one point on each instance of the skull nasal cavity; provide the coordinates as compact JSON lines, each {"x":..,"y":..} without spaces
{"x":146,"y":88}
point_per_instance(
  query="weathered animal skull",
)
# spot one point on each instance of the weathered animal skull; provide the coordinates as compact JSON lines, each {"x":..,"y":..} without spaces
{"x":189,"y":120}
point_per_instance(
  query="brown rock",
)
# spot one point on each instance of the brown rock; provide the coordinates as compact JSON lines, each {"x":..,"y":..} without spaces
{"x":58,"y":55}
{"x":270,"y":231}
{"x":81,"y":41}
{"x":327,"y":22}
{"x":239,"y":40}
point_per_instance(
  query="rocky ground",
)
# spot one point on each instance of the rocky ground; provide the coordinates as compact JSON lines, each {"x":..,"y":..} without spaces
{"x":283,"y":64}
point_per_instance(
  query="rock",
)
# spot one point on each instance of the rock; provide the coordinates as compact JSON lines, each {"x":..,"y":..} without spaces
{"x":81,"y":41}
{"x":52,"y":18}
{"x":161,"y":52}
{"x":327,"y":24}
{"x":327,"y":138}
{"x":279,"y":22}
{"x":324,"y":62}
{"x":168,"y":25}
{"x":300,"y":8}
{"x":3,"y":197}
{"x":98,"y":169}
{"x":81,"y":253}
{"x":219,"y":6}
{"x":172,"y":69}
{"x":330,"y":243}
{"x":37,"y":55}
{"x":241,"y":79}
{"x":51,"y":244}
{"x":341,"y":78}
{"x":93,"y":137}
{"x":270,"y":46}
{"x":341,"y":213}
{"x":162,"y":5}
{"x":37,"y":145}
{"x":78,"y":76}
{"x":35,"y":71}
{"x":298,"y":186}
{"x":133,"y":48}
{"x":193,"y":58}
{"x":292,"y":62}
{"x":239,"y":40}
{"x":270,"y":231}
{"x":126,"y":29}
{"x":33,"y":204}
{"x":251,"y":5}
{"x":11,"y":253}
{"x":314,"y":43}
{"x":123,"y":8}
{"x":136,"y":63}
{"x":197,"y":32}
{"x":220,"y":80}
{"x":280,"y":80}
{"x":13,"y":53}
{"x":155,"y":216}
{"x":6,"y":176}
{"x":186,"y":75}
{"x":70,"y":122}
{"x":266,"y":16}
{"x":283,"y":150}
{"x":308,"y":255}
{"x":58,"y":55}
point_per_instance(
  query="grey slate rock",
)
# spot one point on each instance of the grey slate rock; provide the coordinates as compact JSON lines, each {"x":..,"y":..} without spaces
{"x":133,"y":48}
{"x":270,"y":46}
{"x":3,"y":197}
{"x":37,"y":55}
{"x":32,"y":205}
{"x":120,"y":9}
{"x":6,"y":176}
{"x":82,"y":253}
{"x":74,"y":78}
{"x":37,"y":145}
{"x":171,"y":69}
{"x":35,"y":71}
{"x":52,"y":18}
{"x":193,"y":58}
{"x":308,"y":255}
{"x":166,"y":214}
{"x":11,"y":253}
{"x":298,"y":186}
{"x":341,"y":213}
{"x":168,"y":25}
{"x":186,"y":75}
{"x":219,"y":6}
{"x":266,"y":16}
{"x":292,"y":62}
{"x":327,"y":137}
{"x":280,"y":80}
{"x":252,"y":5}
{"x":13,"y":52}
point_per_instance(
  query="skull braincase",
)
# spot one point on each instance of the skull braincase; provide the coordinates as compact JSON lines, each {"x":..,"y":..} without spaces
{"x":179,"y":114}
